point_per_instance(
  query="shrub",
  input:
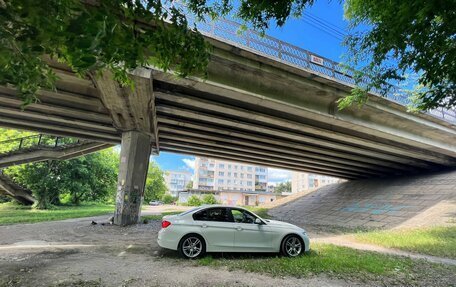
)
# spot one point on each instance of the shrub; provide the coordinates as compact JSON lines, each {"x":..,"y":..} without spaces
{"x":168,"y":198}
{"x":194,"y":201}
{"x":209,"y":199}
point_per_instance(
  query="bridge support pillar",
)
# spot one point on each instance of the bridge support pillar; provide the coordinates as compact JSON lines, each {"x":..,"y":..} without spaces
{"x":134,"y":163}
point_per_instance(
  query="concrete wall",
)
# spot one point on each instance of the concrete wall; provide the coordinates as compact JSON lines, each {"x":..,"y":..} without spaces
{"x":377,"y":203}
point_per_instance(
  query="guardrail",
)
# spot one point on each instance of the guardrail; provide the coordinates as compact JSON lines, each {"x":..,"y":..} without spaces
{"x":228,"y":31}
{"x":38,"y":140}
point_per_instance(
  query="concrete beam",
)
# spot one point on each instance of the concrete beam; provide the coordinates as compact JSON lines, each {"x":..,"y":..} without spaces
{"x":181,"y":126}
{"x":234,"y":123}
{"x":319,"y":134}
{"x":194,"y":152}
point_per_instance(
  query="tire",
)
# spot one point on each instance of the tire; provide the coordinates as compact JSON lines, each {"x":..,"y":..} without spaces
{"x":292,"y":246}
{"x":192,"y":246}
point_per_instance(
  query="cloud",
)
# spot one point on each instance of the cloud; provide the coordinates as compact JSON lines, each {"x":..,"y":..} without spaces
{"x":189,"y":162}
{"x":276,"y":175}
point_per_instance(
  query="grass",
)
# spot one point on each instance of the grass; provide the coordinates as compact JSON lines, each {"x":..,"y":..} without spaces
{"x":341,"y":262}
{"x":437,"y":241}
{"x":260,"y":211}
{"x":11,"y":213}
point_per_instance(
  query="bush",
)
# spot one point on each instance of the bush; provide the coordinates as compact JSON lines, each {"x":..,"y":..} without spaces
{"x":194,"y":201}
{"x":168,"y":198}
{"x":209,"y":199}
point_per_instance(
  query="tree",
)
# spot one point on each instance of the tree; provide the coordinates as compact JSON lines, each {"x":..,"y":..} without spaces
{"x":91,"y":177}
{"x":94,"y":36}
{"x":8,"y":134}
{"x":414,"y":36}
{"x":155,"y":183}
{"x":91,"y":36}
{"x":283,"y":187}
{"x":189,"y":185}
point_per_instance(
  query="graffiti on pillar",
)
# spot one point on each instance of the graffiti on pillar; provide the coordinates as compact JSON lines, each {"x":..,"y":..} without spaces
{"x":373,"y":208}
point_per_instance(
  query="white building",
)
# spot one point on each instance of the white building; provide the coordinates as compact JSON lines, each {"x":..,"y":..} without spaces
{"x":301,"y":181}
{"x":177,"y":180}
{"x":214,"y":174}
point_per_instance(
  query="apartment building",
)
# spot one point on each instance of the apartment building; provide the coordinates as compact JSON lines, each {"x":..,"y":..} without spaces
{"x":218,"y":175}
{"x":301,"y":181}
{"x":177,"y":180}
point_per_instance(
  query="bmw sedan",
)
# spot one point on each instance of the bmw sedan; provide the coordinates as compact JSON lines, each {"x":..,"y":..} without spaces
{"x":219,"y":228}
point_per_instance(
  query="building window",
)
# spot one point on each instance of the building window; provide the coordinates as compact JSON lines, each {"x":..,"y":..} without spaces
{"x":249,"y":168}
{"x":220,"y":181}
{"x":229,"y":173}
{"x":221,"y":165}
{"x":221,"y":173}
{"x":229,"y":166}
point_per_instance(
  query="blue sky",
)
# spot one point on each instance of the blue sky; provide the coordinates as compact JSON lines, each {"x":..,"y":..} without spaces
{"x":327,"y":15}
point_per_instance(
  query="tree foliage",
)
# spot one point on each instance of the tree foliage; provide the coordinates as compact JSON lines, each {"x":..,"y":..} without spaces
{"x":91,"y":177}
{"x":91,"y":36}
{"x":403,"y":37}
{"x":283,"y":187}
{"x":155,"y":183}
{"x":168,"y":198}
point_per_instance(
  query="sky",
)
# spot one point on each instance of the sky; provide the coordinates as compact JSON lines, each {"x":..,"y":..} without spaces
{"x":320,"y":30}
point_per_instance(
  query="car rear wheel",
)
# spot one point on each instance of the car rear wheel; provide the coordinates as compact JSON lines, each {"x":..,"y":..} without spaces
{"x":192,"y":246}
{"x":292,"y":246}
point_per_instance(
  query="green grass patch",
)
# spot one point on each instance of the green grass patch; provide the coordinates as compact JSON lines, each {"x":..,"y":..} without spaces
{"x":12,"y":213}
{"x":437,"y":241}
{"x":341,"y":262}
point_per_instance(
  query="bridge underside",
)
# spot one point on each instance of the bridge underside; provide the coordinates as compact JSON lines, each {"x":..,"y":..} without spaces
{"x":249,"y":109}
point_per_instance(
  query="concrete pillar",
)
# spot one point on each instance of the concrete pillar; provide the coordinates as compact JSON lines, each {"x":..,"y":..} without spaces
{"x":134,"y":162}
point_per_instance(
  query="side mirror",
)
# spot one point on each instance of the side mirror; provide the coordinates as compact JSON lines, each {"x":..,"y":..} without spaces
{"x":258,"y":221}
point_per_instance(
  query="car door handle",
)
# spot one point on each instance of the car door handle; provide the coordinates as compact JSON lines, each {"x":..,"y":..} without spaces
{"x":239,"y":228}
{"x":204,"y":225}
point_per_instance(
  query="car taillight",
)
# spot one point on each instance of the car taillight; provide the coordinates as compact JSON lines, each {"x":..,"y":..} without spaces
{"x":165,"y":223}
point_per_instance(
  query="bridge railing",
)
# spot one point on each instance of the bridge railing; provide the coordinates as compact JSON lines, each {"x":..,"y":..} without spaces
{"x":35,"y":141}
{"x":229,"y":31}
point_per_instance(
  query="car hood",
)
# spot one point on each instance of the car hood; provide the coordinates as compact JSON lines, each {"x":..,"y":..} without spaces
{"x":277,"y":223}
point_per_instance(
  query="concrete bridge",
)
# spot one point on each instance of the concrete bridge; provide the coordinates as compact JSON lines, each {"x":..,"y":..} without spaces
{"x":263,"y":102}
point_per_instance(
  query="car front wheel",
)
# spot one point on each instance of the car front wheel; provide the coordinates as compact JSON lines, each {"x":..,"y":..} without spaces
{"x":292,"y":246}
{"x":192,"y":246}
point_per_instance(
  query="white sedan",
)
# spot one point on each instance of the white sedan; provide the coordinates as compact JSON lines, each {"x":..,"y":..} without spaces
{"x":219,"y":228}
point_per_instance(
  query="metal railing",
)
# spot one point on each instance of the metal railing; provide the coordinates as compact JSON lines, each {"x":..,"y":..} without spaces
{"x":35,"y":141}
{"x":267,"y":46}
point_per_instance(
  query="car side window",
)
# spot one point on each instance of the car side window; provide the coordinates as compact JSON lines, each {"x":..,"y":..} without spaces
{"x":212,"y":214}
{"x":242,"y":216}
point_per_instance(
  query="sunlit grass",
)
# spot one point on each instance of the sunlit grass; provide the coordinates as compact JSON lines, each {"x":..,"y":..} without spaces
{"x":327,"y":259}
{"x":437,"y":241}
{"x":12,"y":213}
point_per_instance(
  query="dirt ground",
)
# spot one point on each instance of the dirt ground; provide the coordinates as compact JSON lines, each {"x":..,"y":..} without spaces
{"x":76,"y":253}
